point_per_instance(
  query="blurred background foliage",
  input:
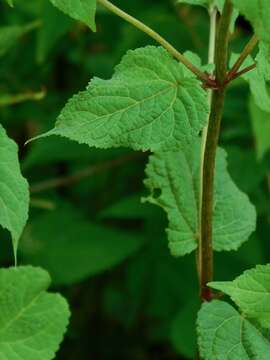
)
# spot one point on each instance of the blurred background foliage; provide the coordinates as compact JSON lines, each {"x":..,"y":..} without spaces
{"x":105,"y":250}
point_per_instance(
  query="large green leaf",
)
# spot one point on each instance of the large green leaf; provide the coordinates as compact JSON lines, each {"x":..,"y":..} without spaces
{"x":14,"y":194}
{"x":176,"y":175}
{"x":261,"y":127}
{"x":251,"y":292}
{"x":32,"y":321}
{"x":82,"y":10}
{"x":225,"y":334}
{"x":71,"y":248}
{"x":151,"y":102}
{"x":258,"y":13}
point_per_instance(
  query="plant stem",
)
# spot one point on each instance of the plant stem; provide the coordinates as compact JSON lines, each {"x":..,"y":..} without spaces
{"x":154,"y":35}
{"x":217,"y":105}
{"x":241,"y":72}
{"x":211,"y":60}
{"x":247,"y":51}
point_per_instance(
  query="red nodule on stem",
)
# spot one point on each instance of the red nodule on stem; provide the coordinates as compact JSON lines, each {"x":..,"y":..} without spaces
{"x":206,"y":294}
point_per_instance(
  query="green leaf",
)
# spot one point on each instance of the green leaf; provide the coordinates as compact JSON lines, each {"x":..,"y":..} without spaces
{"x":82,"y":10}
{"x":151,"y":102}
{"x":14,"y":193}
{"x":261,"y":127}
{"x":251,"y":292}
{"x":89,"y":249}
{"x":258,"y":13}
{"x":176,"y":176}
{"x":32,"y":321}
{"x":225,"y":334}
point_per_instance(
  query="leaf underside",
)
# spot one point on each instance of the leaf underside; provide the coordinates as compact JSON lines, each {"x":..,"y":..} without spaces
{"x":223,"y":333}
{"x":176,"y":175}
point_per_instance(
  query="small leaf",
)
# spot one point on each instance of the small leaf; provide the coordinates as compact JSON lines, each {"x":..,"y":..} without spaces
{"x":97,"y":248}
{"x":258,"y":13}
{"x":251,"y":292}
{"x":82,"y":10}
{"x":176,"y":175}
{"x":32,"y":321}
{"x":151,"y":102}
{"x":14,"y":193}
{"x":225,"y":334}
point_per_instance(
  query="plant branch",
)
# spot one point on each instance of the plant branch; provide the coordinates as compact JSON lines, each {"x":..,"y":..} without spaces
{"x":87,"y":172}
{"x":245,"y":53}
{"x":211,"y":60}
{"x":241,"y":72}
{"x":154,"y":35}
{"x":217,"y":105}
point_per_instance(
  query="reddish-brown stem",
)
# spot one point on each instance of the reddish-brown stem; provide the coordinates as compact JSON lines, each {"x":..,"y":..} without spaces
{"x":217,"y":105}
{"x":242,"y":57}
{"x":231,"y":77}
